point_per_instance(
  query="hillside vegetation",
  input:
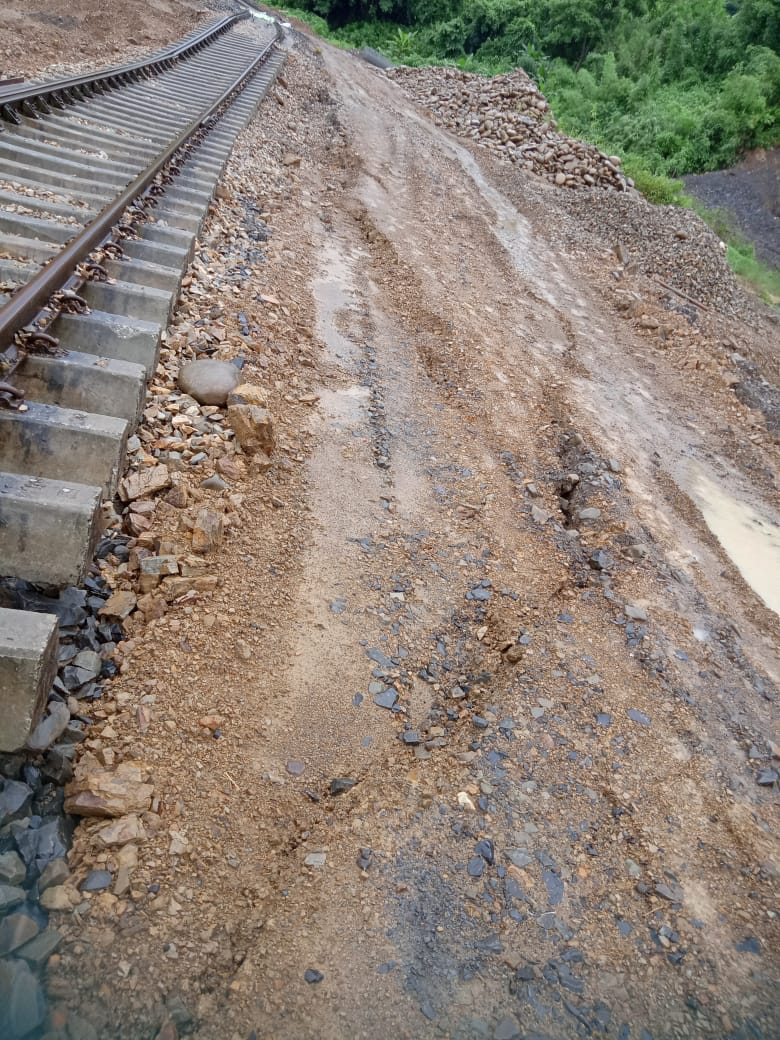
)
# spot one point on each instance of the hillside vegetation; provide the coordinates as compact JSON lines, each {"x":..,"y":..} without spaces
{"x":675,"y":86}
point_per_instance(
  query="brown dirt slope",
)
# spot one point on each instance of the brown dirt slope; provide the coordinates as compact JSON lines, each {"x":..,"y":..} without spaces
{"x":39,"y":38}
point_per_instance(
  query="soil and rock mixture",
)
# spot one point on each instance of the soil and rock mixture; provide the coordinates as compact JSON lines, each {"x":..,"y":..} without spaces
{"x":447,"y":689}
{"x":750,"y":194}
{"x":40,"y":40}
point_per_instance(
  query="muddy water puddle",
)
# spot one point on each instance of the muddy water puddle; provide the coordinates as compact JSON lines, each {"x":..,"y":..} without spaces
{"x":751,"y":540}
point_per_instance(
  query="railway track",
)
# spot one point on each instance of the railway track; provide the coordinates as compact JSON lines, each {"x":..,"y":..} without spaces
{"x":105,"y":180}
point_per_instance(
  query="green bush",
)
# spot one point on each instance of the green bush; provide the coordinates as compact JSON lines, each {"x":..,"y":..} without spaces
{"x":683,"y":85}
{"x":663,"y":191}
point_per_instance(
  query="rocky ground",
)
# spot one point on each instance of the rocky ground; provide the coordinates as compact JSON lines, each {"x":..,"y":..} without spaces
{"x":48,"y":40}
{"x":446,"y":701}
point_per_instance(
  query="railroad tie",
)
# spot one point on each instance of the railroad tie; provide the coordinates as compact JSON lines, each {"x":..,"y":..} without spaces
{"x":72,"y":402}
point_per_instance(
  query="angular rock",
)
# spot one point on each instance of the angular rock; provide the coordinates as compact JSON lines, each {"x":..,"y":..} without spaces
{"x":50,"y":728}
{"x":96,"y":881}
{"x":55,"y":873}
{"x":38,"y":950}
{"x":39,"y":845}
{"x":144,"y":482}
{"x":15,"y":931}
{"x":10,"y":896}
{"x":102,"y":793}
{"x":59,"y":897}
{"x":118,"y":606}
{"x":15,"y":799}
{"x":12,"y":869}
{"x":90,"y":662}
{"x":209,"y":382}
{"x":250,"y":420}
{"x":122,"y":832}
{"x":638,"y":716}
{"x":22,"y":1004}
{"x":208,"y":531}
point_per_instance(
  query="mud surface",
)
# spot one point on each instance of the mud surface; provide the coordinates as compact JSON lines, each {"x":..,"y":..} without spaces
{"x":497,"y":707}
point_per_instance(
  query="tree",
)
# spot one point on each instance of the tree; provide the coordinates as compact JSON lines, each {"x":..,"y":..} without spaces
{"x":758,"y":22}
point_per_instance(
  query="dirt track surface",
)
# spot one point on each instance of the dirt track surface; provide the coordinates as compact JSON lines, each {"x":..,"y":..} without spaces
{"x":571,"y":840}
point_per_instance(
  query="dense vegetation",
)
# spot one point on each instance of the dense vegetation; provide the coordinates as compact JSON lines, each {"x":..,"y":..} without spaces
{"x":675,"y":86}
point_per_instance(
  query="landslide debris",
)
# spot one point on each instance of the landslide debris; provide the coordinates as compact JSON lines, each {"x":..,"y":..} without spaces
{"x":510,"y":116}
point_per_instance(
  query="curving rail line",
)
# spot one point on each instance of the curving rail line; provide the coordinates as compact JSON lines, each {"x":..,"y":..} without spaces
{"x":105,"y":180}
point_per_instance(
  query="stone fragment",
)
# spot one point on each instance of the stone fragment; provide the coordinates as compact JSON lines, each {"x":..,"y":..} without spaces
{"x":638,"y":716}
{"x":178,"y":496}
{"x":59,"y":897}
{"x":12,"y":869}
{"x":209,"y":382}
{"x":10,"y":896}
{"x":673,"y":892}
{"x":118,"y":606}
{"x":15,"y":930}
{"x":475,"y":867}
{"x":121,"y":832}
{"x":15,"y":799}
{"x":635,"y":612}
{"x":144,"y":482}
{"x":89,"y":661}
{"x":232,"y":469}
{"x":55,"y":873}
{"x":159,"y":565}
{"x":50,"y":728}
{"x":507,"y":1029}
{"x":248,"y":415}
{"x":38,"y":845}
{"x":38,"y":950}
{"x":103,"y":793}
{"x":214,"y":483}
{"x":22,"y":1004}
{"x":387,"y":698}
{"x":96,"y":881}
{"x":207,"y":532}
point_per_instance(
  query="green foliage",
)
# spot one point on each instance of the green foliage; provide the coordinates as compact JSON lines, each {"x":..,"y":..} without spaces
{"x":762,"y":278}
{"x":682,"y":86}
{"x":663,"y":191}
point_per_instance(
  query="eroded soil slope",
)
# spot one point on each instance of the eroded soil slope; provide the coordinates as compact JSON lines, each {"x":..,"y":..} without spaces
{"x":41,"y":39}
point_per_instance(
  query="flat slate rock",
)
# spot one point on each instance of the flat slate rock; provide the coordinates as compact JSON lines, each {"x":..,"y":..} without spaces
{"x":387,"y":699}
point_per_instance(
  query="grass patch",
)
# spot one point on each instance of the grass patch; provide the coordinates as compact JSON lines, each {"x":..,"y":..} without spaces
{"x":740,"y":253}
{"x":764,"y":279}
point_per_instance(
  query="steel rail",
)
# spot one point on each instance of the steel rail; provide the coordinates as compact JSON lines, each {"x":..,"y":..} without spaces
{"x":27,"y":301}
{"x":53,"y":92}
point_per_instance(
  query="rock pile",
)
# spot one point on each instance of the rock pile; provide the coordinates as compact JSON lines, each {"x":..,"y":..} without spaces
{"x":508,"y":115}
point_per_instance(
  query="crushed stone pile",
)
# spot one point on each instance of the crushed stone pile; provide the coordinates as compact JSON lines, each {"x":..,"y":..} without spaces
{"x":510,"y":116}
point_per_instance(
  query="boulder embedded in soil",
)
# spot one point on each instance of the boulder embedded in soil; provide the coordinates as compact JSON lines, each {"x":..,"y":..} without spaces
{"x":209,"y":382}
